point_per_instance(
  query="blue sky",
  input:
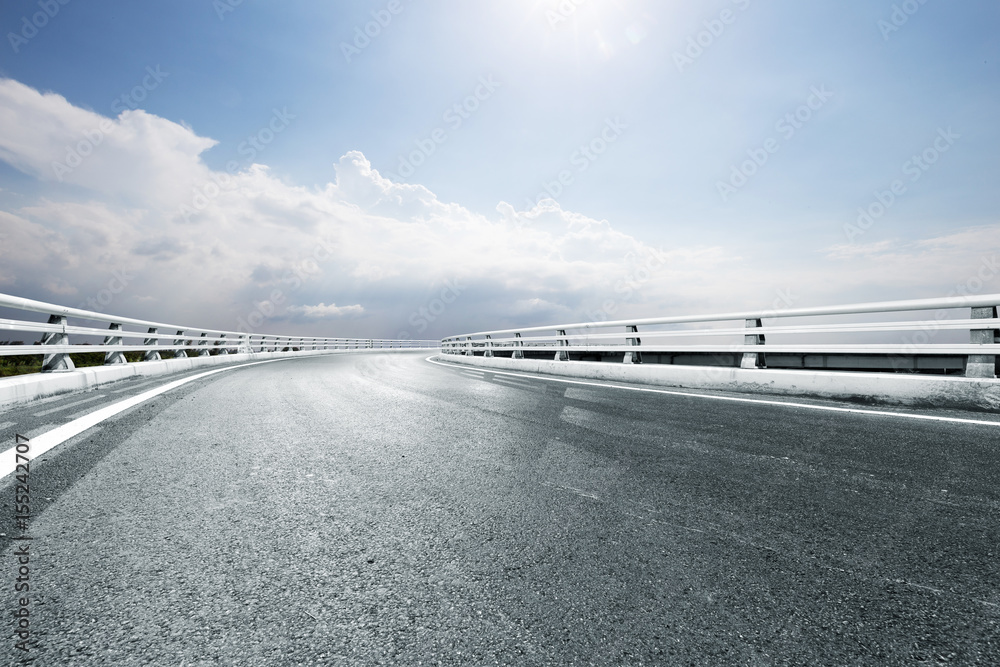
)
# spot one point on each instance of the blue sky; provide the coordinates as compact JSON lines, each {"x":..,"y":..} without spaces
{"x":669,"y":97}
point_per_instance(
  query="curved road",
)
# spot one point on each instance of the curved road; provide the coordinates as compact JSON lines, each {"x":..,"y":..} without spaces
{"x":379,"y":509}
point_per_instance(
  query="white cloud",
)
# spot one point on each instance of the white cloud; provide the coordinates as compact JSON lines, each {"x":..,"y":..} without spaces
{"x":137,"y":155}
{"x":323,"y":311}
{"x":929,"y":267}
{"x":258,"y":245}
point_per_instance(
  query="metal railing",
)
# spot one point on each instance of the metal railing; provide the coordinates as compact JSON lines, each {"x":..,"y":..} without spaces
{"x":156,"y":338}
{"x":660,"y":339}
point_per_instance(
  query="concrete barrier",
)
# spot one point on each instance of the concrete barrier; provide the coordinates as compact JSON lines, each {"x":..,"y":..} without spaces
{"x":866,"y":388}
{"x":26,"y":388}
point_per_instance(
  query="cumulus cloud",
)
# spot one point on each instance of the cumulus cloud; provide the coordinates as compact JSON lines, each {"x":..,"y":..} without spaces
{"x":136,"y":155}
{"x":254,"y":250}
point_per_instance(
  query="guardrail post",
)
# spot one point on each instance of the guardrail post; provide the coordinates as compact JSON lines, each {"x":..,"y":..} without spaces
{"x":179,"y":351}
{"x":203,"y":350}
{"x":518,"y":344}
{"x":633,"y":357}
{"x":469,"y":352}
{"x":221,"y":344}
{"x":982,"y":365}
{"x":114,"y":356}
{"x":753,"y":359}
{"x":489,"y":347}
{"x":151,"y":355}
{"x":58,"y":361}
{"x":563,"y":342}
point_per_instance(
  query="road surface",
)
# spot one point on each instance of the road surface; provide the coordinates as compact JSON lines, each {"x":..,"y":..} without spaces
{"x":380,"y":509}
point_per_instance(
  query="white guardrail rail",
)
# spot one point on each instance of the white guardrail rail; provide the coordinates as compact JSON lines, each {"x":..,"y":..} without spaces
{"x":806,"y":338}
{"x":159,"y":340}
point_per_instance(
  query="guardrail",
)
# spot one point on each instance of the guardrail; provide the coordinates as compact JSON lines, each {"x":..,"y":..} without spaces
{"x":180,"y":341}
{"x":657,"y":342}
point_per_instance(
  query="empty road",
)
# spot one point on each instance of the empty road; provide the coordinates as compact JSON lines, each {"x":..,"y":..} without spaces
{"x":381,"y":509}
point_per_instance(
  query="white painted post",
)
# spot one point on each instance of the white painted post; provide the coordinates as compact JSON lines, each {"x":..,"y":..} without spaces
{"x":518,"y":344}
{"x":982,"y":365}
{"x":114,"y":356}
{"x":151,"y":355}
{"x":203,"y":350}
{"x":633,"y":357}
{"x":58,"y":361}
{"x":179,"y":351}
{"x":563,"y":342}
{"x":753,"y":359}
{"x":489,"y":347}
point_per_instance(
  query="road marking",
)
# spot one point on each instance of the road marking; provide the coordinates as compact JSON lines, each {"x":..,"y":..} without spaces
{"x":59,"y":435}
{"x":38,"y":431}
{"x":736,"y":399}
{"x":67,"y":406}
{"x":6,"y":425}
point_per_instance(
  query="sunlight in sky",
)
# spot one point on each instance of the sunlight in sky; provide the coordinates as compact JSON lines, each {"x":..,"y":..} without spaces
{"x":530,"y":154}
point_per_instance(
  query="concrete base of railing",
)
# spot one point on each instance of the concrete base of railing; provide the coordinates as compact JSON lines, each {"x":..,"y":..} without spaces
{"x":26,"y":388}
{"x":867,"y":388}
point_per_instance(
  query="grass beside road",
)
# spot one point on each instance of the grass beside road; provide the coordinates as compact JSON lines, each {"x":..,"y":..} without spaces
{"x":24,"y":364}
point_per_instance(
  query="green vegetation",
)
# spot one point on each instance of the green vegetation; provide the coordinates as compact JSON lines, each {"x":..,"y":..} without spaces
{"x":23,"y":364}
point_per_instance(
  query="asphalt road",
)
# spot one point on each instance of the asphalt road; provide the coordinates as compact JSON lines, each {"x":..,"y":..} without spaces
{"x":378,"y":509}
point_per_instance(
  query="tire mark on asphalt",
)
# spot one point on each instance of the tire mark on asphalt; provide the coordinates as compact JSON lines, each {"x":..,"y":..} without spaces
{"x":67,"y":406}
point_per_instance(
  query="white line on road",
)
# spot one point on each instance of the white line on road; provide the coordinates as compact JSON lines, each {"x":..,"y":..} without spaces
{"x":6,"y":425}
{"x":46,"y":441}
{"x":736,"y":399}
{"x":67,"y":406}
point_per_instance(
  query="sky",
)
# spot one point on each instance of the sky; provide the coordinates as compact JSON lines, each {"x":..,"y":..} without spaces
{"x":420,"y":168}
